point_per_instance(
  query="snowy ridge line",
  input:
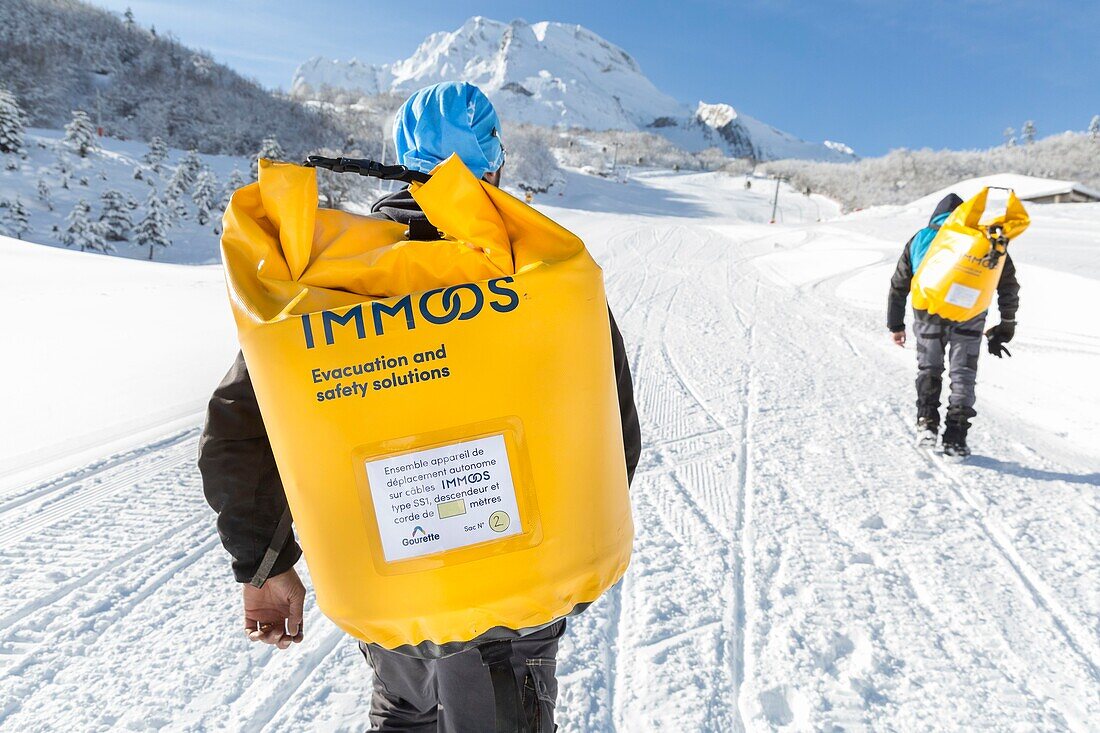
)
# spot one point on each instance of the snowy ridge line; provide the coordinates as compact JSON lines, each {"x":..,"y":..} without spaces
{"x":620,"y":632}
{"x":666,"y":470}
{"x":845,"y":707}
{"x":733,"y":621}
{"x":667,"y":642}
{"x":590,"y":674}
{"x":674,"y":527}
{"x":65,"y":589}
{"x":849,"y":714}
{"x":824,"y":545}
{"x":682,"y":495}
{"x":741,"y":548}
{"x":1025,"y":682}
{"x":59,"y":483}
{"x":661,"y":643}
{"x":743,"y":556}
{"x":694,"y":436}
{"x":56,"y":652}
{"x":682,"y":490}
{"x":629,"y":238}
{"x":1041,"y":594}
{"x":743,"y":577}
{"x":911,"y":562}
{"x":1065,"y":342}
{"x":614,"y":617}
{"x":281,"y":695}
{"x":48,"y":513}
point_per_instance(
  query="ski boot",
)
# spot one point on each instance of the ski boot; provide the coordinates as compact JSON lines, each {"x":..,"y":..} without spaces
{"x":954,"y":440}
{"x":928,"y":429}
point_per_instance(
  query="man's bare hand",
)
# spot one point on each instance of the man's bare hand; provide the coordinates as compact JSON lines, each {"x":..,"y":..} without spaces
{"x":898,"y":338}
{"x":273,"y":614}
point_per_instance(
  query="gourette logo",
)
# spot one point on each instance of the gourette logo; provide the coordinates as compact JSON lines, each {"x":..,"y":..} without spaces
{"x":438,"y":307}
{"x":419,"y":536}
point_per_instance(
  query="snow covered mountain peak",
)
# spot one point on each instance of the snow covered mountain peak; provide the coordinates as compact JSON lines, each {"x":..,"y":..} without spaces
{"x":556,"y":74}
{"x":545,"y":73}
{"x":715,"y":115}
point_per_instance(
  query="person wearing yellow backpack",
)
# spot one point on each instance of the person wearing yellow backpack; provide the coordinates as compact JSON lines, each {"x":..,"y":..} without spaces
{"x":243,"y":485}
{"x":938,"y":338}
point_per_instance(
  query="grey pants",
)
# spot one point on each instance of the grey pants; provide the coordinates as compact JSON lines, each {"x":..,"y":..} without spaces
{"x":455,"y":694}
{"x":962,"y":343}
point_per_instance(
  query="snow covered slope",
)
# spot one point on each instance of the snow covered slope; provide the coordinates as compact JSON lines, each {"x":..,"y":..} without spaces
{"x":114,"y":348}
{"x":68,"y":178}
{"x":798,"y":565}
{"x":561,"y":75}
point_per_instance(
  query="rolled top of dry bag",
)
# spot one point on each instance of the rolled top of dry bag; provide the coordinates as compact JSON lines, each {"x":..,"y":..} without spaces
{"x":443,"y":413}
{"x":959,"y":273}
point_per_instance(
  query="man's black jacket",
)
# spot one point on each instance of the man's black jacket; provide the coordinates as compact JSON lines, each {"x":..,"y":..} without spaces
{"x":239,"y":475}
{"x":1008,"y":287}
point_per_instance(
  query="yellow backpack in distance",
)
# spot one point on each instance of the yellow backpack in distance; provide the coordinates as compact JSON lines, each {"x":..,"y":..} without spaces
{"x":962,"y":267}
{"x":444,"y":414}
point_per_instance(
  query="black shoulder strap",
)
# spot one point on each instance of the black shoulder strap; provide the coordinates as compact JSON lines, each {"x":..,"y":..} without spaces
{"x":278,"y":542}
{"x":365,"y":167}
{"x":497,"y":656}
{"x":422,"y":230}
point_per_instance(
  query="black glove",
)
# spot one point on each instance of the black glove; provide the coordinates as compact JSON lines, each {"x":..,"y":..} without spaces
{"x":1000,"y":335}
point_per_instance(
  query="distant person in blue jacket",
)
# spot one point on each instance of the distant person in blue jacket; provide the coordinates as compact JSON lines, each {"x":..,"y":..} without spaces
{"x":936,"y":337}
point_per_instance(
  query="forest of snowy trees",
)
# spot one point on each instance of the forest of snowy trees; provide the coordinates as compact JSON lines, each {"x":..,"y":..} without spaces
{"x":67,"y":189}
{"x":906,"y":175}
{"x":61,"y":55}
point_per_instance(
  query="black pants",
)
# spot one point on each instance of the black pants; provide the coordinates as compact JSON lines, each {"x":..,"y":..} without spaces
{"x":455,"y":694}
{"x":962,"y":344}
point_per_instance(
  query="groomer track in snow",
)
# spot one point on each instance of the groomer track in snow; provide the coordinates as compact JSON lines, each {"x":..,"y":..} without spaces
{"x":798,"y":566}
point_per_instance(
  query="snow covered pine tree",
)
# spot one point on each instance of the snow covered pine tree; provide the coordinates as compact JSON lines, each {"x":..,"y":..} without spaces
{"x":115,"y":216}
{"x":236,"y":180}
{"x":80,"y":134}
{"x":12,"y":123}
{"x":1028,"y":132}
{"x":182,"y":179}
{"x":204,"y":195}
{"x":152,"y":230}
{"x":14,"y":219}
{"x":81,"y":231}
{"x":157,"y":153}
{"x":191,"y":164}
{"x":269,"y":149}
{"x":174,"y":206}
{"x":44,"y":194}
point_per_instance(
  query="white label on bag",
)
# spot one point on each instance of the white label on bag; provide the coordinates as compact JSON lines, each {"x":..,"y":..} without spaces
{"x":444,"y":498}
{"x":962,"y":296}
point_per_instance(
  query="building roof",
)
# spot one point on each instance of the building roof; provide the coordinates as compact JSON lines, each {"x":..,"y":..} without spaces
{"x":1026,"y":188}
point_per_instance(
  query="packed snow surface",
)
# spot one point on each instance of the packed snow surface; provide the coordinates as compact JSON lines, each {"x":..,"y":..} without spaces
{"x":799,"y":565}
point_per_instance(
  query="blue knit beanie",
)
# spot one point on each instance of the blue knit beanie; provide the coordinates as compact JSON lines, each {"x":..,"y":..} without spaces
{"x":446,"y":118}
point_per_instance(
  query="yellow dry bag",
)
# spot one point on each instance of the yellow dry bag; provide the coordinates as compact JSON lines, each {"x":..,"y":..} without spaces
{"x":443,"y":413}
{"x":962,"y":267}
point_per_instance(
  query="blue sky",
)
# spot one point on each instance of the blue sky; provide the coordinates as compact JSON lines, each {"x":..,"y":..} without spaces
{"x":876,"y":74}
